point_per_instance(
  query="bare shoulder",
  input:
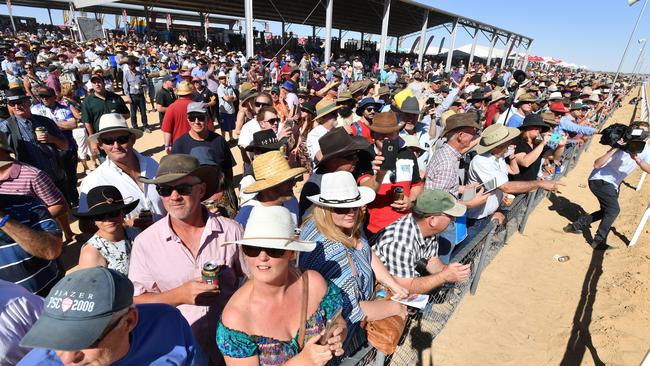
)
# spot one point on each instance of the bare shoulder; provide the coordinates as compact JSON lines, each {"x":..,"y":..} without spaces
{"x":317,"y":286}
{"x":90,"y":257}
{"x":236,"y":315}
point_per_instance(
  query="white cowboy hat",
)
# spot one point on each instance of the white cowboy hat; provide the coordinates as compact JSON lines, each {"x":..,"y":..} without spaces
{"x":339,"y":189}
{"x":272,"y":227}
{"x":113,"y":122}
{"x":555,"y":96}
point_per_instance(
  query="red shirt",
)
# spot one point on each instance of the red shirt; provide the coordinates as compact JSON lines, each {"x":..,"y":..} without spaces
{"x":175,"y":120}
{"x":492,"y":110}
{"x":286,"y":70}
{"x":361,"y":129}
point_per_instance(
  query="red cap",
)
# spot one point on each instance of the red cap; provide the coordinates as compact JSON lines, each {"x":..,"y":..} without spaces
{"x":558,"y":107}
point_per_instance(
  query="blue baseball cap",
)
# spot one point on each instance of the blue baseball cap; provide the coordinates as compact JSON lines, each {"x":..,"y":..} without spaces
{"x":79,"y":308}
{"x":289,"y":86}
{"x":167,"y":77}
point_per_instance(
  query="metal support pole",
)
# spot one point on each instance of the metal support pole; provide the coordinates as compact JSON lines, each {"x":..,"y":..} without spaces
{"x":397,"y":44}
{"x":49,"y":13}
{"x":452,"y":45}
{"x":384,"y":34}
{"x":471,"y":52}
{"x":11,"y":15}
{"x":363,"y":36}
{"x":423,"y":36}
{"x":620,"y":64}
{"x":638,"y":60}
{"x":506,"y":50}
{"x":248,"y":12}
{"x":495,"y":37}
{"x":340,"y":35}
{"x":328,"y":31}
{"x":313,"y":31}
{"x":282,"y":30}
{"x":525,"y":63}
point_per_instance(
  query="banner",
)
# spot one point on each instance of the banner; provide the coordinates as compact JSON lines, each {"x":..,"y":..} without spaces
{"x":169,"y":21}
{"x":90,"y":28}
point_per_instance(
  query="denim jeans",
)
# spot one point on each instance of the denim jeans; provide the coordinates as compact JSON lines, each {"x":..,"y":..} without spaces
{"x":138,"y":101}
{"x":607,"y":196}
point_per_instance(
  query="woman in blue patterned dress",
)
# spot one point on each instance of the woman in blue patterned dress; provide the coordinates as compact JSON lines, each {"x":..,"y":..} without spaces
{"x":343,"y":256}
{"x":261,"y":324}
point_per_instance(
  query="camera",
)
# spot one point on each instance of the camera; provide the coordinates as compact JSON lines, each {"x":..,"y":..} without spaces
{"x":633,"y":136}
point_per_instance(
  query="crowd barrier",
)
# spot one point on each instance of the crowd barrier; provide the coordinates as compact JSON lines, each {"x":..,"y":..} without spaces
{"x":423,"y":326}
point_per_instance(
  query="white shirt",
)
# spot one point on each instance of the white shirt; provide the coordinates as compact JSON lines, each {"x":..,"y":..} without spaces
{"x":618,"y":167}
{"x":110,"y":174}
{"x":247,"y":131}
{"x":482,"y":169}
{"x":19,"y":310}
{"x":313,"y":147}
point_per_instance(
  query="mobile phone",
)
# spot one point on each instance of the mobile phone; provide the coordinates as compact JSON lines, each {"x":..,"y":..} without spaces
{"x":490,"y":185}
{"x":556,"y":137}
{"x":389,"y":151}
{"x":330,"y":326}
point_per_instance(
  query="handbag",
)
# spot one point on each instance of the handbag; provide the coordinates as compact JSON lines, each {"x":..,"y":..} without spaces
{"x":383,"y":334}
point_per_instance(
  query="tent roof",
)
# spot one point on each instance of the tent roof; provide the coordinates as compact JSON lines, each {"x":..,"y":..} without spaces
{"x":354,"y":15}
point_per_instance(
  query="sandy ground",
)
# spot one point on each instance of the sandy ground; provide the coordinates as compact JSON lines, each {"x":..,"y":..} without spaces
{"x":532,"y":310}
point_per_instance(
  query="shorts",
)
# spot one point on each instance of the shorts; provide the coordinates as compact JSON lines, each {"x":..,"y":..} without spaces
{"x":227,"y":121}
{"x":81,"y":138}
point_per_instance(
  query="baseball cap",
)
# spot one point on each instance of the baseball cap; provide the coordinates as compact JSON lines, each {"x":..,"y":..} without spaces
{"x":79,"y":308}
{"x":434,"y":201}
{"x":167,"y":77}
{"x":196,"y":107}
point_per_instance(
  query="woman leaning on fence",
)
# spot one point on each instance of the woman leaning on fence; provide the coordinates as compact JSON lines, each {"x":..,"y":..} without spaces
{"x":280,"y":315}
{"x":343,"y":256}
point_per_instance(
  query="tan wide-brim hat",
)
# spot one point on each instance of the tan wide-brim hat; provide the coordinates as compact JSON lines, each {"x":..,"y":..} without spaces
{"x":325,"y":107}
{"x":271,"y":169}
{"x":184,"y":88}
{"x":110,"y":122}
{"x":494,"y":136}
{"x":176,"y":166}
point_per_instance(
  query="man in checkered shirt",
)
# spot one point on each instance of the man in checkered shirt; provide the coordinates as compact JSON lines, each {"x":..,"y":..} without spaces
{"x":411,"y":239}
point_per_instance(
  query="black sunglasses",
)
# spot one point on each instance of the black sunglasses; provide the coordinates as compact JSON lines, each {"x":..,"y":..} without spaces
{"x":344,"y":210}
{"x":272,"y":121}
{"x":119,"y":139}
{"x":182,"y":189}
{"x":107,"y":216}
{"x":253,"y":252}
{"x":260,"y":104}
{"x":16,"y":102}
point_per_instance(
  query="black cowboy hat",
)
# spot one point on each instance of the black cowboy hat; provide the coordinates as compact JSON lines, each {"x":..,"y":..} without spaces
{"x":103,"y":200}
{"x":477,"y":96}
{"x":338,"y":141}
{"x":264,"y":140}
{"x":535,"y":120}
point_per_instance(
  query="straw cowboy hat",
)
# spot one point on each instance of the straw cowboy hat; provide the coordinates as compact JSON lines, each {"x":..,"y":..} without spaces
{"x":271,"y":169}
{"x":176,"y":166}
{"x":325,"y":107}
{"x":246,"y":91}
{"x":113,"y":122}
{"x":340,"y":190}
{"x":329,"y":86}
{"x":385,"y":122}
{"x":272,"y":227}
{"x":184,"y":88}
{"x":494,"y":136}
{"x":497,"y":96}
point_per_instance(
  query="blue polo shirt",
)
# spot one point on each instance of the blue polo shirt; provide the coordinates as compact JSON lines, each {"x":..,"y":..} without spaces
{"x":162,"y":337}
{"x":35,"y":274}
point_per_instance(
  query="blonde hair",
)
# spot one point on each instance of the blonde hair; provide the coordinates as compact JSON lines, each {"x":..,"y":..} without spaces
{"x":67,"y":90}
{"x":322,"y":216}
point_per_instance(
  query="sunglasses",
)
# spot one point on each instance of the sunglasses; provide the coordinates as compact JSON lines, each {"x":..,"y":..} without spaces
{"x":17,"y":102}
{"x":182,"y":189}
{"x":345,"y":210}
{"x":260,"y":104}
{"x":107,"y":216}
{"x":253,"y":252}
{"x":272,"y":121}
{"x":370,"y":109}
{"x":119,"y":139}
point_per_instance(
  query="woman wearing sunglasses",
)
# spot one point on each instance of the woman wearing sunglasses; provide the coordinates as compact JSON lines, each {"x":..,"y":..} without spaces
{"x":343,"y":256}
{"x":279,"y":316}
{"x":111,"y":245}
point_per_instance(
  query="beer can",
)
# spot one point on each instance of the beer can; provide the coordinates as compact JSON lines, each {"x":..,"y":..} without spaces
{"x":210,"y":272}
{"x":39,"y":131}
{"x":398,"y":193}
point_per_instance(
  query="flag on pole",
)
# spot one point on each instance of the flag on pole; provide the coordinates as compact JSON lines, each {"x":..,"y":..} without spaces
{"x":125,"y":21}
{"x":267,"y":28}
{"x":169,"y":21}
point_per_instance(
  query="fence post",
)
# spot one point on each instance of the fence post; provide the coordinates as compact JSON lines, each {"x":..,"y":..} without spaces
{"x":481,"y":261}
{"x":529,"y":207}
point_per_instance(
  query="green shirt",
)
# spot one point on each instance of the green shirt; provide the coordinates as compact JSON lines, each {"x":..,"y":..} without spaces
{"x":93,"y":107}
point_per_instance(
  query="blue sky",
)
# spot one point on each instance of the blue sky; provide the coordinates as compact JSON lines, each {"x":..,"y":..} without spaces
{"x":591,"y":33}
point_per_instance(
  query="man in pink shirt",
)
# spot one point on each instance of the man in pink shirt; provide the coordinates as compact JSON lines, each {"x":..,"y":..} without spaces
{"x":167,"y":258}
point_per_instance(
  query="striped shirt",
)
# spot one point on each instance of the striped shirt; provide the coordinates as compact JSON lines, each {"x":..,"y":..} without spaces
{"x":35,"y":274}
{"x":24,"y":179}
{"x":330,"y":259}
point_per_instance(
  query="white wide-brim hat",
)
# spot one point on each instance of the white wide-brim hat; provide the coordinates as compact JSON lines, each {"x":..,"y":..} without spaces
{"x":339,"y":189}
{"x":113,"y":122}
{"x":273,"y":227}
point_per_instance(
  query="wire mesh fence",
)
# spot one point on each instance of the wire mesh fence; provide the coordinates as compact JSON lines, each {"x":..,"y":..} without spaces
{"x":423,"y":326}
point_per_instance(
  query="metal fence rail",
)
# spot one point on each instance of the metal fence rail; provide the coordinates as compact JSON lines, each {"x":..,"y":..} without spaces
{"x":423,"y":326}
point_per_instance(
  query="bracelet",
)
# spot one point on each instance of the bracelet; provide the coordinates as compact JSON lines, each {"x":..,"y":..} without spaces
{"x":4,"y":220}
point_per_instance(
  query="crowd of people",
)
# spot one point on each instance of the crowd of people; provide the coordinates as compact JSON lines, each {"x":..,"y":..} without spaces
{"x":352,"y":190}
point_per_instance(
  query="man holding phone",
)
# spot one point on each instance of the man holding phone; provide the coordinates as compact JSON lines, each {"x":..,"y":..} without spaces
{"x":396,"y":181}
